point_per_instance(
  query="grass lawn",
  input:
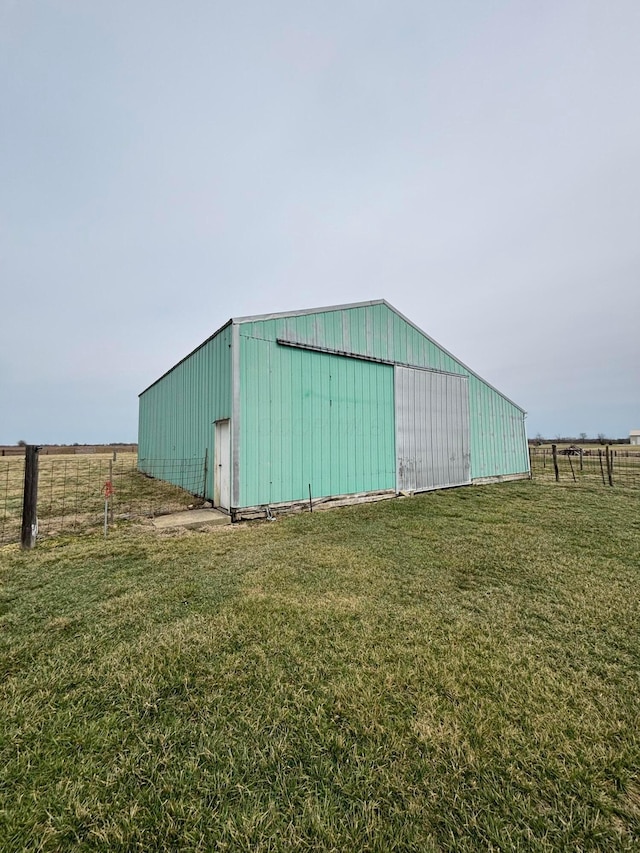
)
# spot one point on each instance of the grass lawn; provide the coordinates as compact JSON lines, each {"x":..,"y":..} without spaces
{"x":456,"y":671}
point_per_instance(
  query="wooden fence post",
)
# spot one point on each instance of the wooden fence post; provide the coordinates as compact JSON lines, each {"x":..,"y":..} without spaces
{"x":554,"y":452}
{"x":29,"y":529}
{"x":604,"y":482}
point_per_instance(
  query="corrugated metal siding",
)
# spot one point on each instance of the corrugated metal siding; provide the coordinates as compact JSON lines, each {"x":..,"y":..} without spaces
{"x":176,"y":414}
{"x":311,"y":418}
{"x":374,"y":331}
{"x":432,"y":429}
{"x":498,"y":436}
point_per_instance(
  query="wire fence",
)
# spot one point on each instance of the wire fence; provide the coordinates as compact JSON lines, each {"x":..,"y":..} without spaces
{"x":72,"y":488}
{"x":602,"y":466}
{"x":11,"y":492}
{"x":72,"y":491}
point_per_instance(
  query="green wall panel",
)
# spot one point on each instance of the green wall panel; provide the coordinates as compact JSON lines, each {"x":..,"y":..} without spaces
{"x":312,"y":418}
{"x":176,"y":414}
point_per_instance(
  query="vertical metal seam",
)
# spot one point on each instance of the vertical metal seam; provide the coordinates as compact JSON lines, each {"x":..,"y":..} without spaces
{"x":395,"y":425}
{"x":235,"y":416}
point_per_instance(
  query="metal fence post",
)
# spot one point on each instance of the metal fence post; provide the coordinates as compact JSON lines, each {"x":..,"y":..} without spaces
{"x":206,"y":463}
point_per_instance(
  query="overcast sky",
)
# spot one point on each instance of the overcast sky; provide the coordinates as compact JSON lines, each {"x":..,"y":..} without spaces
{"x":165,"y":166}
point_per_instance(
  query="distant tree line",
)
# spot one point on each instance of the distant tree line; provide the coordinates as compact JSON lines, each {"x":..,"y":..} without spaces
{"x":580,"y":439}
{"x":23,"y":443}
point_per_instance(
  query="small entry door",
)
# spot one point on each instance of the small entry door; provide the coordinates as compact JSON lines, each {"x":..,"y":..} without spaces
{"x":222,"y":459}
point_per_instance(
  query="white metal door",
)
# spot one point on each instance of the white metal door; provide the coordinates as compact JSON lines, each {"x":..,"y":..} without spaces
{"x":432,"y":429}
{"x":222,"y":458}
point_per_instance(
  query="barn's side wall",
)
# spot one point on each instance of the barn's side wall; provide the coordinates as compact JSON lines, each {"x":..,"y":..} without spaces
{"x":498,"y":437}
{"x":312,"y":419}
{"x":498,"y":433}
{"x":176,"y":414}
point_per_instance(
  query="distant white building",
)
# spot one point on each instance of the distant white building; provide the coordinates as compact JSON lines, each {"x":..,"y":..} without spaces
{"x":634,"y":436}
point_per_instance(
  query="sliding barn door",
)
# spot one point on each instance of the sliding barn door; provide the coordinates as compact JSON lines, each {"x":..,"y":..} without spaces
{"x":432,"y":429}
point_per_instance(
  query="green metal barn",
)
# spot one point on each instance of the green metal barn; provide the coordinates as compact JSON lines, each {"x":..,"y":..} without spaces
{"x":338,"y":402}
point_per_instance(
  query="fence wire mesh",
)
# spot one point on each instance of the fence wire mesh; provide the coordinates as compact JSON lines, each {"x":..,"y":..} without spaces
{"x":71,"y":491}
{"x":600,"y":466}
{"x":11,"y":490}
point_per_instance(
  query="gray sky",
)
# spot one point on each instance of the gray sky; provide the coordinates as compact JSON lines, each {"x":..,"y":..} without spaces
{"x":165,"y":166}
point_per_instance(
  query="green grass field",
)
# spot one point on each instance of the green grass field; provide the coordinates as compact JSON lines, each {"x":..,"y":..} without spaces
{"x":456,"y":671}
